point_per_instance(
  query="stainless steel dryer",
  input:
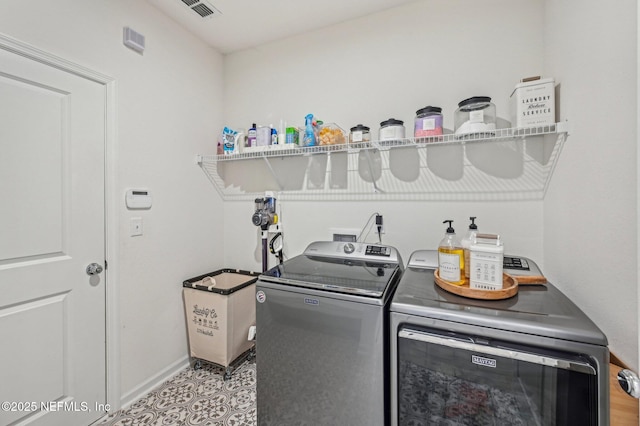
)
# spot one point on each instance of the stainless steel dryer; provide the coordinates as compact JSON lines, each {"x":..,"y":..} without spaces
{"x":533,"y":359}
{"x":322,"y":336}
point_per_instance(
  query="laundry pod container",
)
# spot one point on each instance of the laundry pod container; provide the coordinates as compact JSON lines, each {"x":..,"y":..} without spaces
{"x":219,"y":309}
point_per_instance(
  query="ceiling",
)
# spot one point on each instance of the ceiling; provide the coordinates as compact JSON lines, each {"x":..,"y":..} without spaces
{"x":240,"y":24}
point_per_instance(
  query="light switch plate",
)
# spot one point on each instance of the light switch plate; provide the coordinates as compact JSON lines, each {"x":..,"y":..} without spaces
{"x":135,"y":226}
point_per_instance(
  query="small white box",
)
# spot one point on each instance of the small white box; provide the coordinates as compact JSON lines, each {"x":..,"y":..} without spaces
{"x":533,"y":103}
{"x":138,"y":199}
{"x":486,"y":257}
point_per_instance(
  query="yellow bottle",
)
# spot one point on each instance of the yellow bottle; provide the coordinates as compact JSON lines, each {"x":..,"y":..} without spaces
{"x":451,"y":257}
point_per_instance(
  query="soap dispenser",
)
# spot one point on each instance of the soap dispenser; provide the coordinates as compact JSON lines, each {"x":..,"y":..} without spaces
{"x":451,"y":257}
{"x":466,"y":244}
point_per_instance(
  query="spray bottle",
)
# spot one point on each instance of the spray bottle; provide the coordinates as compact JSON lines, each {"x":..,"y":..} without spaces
{"x":309,"y":130}
{"x":466,"y":245}
{"x":451,"y":257}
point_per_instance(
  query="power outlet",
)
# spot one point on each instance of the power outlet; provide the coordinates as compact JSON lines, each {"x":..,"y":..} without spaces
{"x":344,"y":234}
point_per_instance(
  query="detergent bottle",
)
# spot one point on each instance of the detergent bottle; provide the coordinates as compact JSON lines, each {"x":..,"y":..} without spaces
{"x":451,"y":257}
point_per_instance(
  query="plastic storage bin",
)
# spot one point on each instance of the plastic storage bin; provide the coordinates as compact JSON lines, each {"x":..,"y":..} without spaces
{"x":331,"y":134}
{"x":220,"y":308}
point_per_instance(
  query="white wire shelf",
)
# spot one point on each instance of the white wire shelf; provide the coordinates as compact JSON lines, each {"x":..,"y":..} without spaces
{"x":509,"y":164}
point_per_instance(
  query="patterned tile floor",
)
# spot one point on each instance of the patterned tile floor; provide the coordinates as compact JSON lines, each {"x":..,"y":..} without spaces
{"x":196,"y":397}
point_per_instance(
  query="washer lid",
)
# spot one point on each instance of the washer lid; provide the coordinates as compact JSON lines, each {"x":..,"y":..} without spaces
{"x":540,"y":310}
{"x":363,"y":269}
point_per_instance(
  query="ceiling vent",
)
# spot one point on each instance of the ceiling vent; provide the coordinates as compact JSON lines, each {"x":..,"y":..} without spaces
{"x":202,"y":8}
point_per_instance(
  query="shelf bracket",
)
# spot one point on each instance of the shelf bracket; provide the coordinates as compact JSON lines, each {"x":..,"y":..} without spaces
{"x":273,"y":173}
{"x":563,"y":127}
{"x":370,"y":164}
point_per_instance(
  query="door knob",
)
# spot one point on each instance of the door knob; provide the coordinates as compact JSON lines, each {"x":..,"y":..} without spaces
{"x":94,"y":269}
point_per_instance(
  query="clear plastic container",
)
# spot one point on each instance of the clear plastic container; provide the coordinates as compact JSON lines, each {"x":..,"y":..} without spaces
{"x":428,"y":122}
{"x":360,"y":134}
{"x":391,"y":129}
{"x":330,"y":134}
{"x":476,"y":115}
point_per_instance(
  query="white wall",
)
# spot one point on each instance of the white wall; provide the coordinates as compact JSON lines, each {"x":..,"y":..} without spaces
{"x":386,"y":65}
{"x":409,"y":225}
{"x":439,"y":52}
{"x":590,"y":213}
{"x":168,"y":110}
{"x":389,"y":64}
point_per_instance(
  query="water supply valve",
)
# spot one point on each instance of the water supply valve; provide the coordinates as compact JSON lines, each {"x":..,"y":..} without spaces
{"x":629,"y":382}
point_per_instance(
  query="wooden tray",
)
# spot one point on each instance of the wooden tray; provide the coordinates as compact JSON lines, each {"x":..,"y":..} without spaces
{"x":509,"y":288}
{"x":530,"y":279}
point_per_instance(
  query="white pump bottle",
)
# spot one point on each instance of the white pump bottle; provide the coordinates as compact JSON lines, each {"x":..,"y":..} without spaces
{"x":466,"y":245}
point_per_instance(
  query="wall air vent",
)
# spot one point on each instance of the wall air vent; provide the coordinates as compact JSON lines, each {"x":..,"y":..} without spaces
{"x":202,"y":8}
{"x":133,"y":40}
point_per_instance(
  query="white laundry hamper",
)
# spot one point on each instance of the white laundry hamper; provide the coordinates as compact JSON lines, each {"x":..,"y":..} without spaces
{"x":219,"y":309}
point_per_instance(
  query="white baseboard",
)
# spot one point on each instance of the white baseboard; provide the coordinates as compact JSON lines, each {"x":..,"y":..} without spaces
{"x":154,"y":381}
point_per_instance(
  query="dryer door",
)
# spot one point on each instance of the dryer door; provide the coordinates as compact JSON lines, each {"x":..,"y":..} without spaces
{"x":445,"y":376}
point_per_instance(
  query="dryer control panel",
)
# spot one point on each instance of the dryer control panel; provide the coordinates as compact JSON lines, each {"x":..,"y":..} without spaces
{"x":522,"y":267}
{"x":512,"y":265}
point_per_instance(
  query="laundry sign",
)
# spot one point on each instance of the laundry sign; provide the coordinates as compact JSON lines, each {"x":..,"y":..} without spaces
{"x":532,"y":103}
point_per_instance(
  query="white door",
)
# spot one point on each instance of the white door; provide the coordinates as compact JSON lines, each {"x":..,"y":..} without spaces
{"x":52,"y":225}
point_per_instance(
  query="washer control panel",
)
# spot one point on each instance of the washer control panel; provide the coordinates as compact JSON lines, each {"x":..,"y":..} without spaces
{"x":378,"y":251}
{"x":353,"y":250}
